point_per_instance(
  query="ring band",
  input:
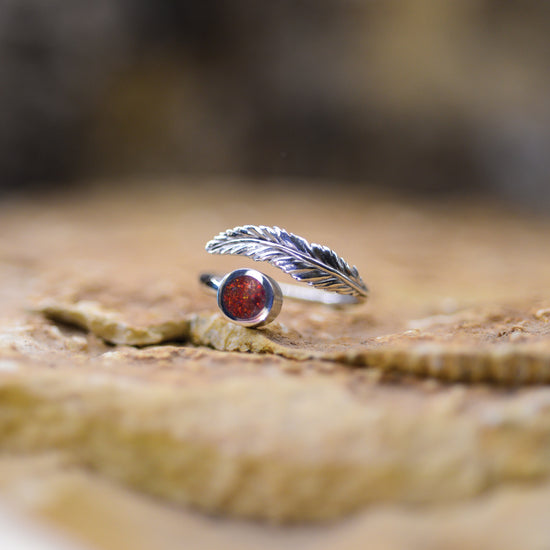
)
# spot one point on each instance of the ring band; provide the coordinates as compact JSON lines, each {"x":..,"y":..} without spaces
{"x":295,"y":292}
{"x":251,"y":298}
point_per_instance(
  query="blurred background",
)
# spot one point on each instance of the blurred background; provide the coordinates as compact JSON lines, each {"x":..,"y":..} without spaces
{"x":424,"y":96}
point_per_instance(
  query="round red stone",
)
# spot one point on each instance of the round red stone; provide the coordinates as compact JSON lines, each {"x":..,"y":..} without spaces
{"x":243,"y":298}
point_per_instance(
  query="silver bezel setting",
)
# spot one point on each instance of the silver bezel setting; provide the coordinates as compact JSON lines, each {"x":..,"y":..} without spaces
{"x":273,"y":303}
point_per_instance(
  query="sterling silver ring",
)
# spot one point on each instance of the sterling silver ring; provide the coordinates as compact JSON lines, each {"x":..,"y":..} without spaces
{"x":252,"y":299}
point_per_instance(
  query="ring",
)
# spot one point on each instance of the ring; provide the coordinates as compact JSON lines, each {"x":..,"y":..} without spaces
{"x":252,"y":299}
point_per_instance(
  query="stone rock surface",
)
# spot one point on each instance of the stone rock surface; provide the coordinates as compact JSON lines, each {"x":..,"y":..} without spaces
{"x":416,"y":409}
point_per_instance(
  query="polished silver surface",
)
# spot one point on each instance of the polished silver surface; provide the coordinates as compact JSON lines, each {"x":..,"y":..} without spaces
{"x":313,"y":264}
{"x":295,"y":292}
{"x":273,"y":302}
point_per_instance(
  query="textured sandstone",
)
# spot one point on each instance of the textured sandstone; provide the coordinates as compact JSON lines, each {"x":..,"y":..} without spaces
{"x":500,"y":345}
{"x":118,"y":361}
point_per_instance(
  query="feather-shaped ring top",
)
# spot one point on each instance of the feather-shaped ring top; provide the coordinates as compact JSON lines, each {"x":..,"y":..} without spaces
{"x":251,"y":298}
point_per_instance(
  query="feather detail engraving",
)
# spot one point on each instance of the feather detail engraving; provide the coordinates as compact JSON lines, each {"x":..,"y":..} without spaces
{"x":313,"y":264}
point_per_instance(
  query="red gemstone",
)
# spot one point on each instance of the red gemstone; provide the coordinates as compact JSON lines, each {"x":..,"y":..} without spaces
{"x":243,"y":298}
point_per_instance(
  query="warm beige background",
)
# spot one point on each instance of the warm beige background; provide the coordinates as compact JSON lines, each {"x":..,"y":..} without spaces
{"x":476,"y":457}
